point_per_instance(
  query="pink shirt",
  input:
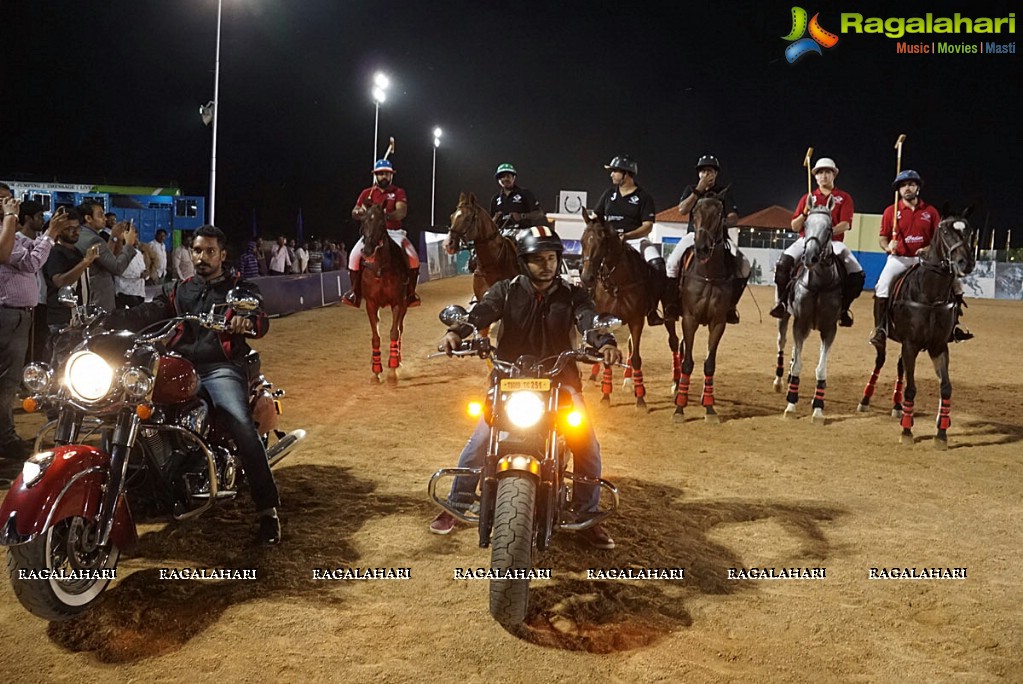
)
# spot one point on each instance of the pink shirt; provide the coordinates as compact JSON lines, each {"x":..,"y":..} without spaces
{"x":19,"y":286}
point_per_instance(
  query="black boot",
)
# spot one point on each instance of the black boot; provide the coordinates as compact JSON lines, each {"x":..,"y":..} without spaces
{"x":738,"y":287}
{"x":413,"y":279}
{"x":880,"y":322}
{"x":959,"y":334}
{"x":657,"y":285}
{"x":670,"y":300}
{"x":852,"y":286}
{"x":354,"y":296}
{"x":782,"y":278}
{"x":269,"y":529}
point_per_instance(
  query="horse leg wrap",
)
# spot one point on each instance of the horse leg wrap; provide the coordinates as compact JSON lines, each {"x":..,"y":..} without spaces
{"x":676,"y":366}
{"x":779,"y":370}
{"x":708,"y":391}
{"x":628,"y":371}
{"x":377,"y":366}
{"x":637,"y":384}
{"x":394,"y":358}
{"x":595,"y":371}
{"x":907,"y":416}
{"x":897,"y":394}
{"x":945,"y":414}
{"x":682,"y":394}
{"x":793,"y":395}
{"x":605,"y":382}
{"x":868,"y":391}
{"x":818,"y":396}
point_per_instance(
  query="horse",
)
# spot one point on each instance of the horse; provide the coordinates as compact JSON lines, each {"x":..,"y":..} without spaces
{"x":385,"y":277}
{"x":496,"y":257}
{"x":619,"y":278}
{"x":705,"y":290}
{"x":815,"y":303}
{"x":922,"y":315}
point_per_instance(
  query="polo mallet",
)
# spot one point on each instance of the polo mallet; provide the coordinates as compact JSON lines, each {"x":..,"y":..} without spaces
{"x":390,"y":149}
{"x":898,"y":170}
{"x":809,"y":173}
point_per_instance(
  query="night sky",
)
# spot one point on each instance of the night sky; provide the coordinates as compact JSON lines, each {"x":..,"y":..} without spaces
{"x":109,"y":92}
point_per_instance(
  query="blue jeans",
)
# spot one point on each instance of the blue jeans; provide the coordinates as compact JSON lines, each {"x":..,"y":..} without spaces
{"x":14,"y":332}
{"x":228,"y":389}
{"x":585,"y":457}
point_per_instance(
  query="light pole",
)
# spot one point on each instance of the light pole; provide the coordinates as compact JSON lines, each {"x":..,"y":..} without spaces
{"x":216,"y":111}
{"x":433,"y":193}
{"x":380,"y":84}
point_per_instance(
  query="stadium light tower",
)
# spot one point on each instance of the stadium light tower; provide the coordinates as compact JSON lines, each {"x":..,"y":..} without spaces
{"x":380,"y":85}
{"x":433,"y":193}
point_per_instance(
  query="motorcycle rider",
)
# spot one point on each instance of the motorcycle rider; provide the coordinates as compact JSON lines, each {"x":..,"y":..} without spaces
{"x":217,"y":357}
{"x":537,"y":310}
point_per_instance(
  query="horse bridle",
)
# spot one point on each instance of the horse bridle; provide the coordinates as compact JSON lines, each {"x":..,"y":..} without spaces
{"x":714,"y":241}
{"x":814,"y":238}
{"x":945,"y":252}
{"x":604,"y":274}
{"x":463,"y":237}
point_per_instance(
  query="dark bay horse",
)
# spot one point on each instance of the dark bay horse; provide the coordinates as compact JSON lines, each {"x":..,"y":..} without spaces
{"x":922,"y":316}
{"x":619,"y":278}
{"x":385,"y":279}
{"x":815,"y":303}
{"x":496,"y":257}
{"x":705,"y":287}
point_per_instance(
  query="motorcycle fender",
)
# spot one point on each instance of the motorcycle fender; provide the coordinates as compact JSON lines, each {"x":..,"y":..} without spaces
{"x":518,"y":463}
{"x":72,"y":485}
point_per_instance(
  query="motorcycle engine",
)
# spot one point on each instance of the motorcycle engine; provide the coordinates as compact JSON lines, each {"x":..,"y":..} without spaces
{"x":196,"y":419}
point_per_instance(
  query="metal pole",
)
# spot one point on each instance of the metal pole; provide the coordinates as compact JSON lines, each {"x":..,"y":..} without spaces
{"x":216,"y":113}
{"x":376,"y":127}
{"x":433,"y":191}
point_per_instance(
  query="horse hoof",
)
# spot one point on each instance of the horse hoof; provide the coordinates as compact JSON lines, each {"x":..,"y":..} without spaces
{"x":678,"y":417}
{"x":896,"y":413}
{"x":606,"y":400}
{"x":940,"y":444}
{"x":817,"y":419}
{"x":790,"y":412}
{"x":375,"y":380}
{"x":712,"y":419}
{"x":862,"y":408}
{"x":641,"y":404}
{"x":778,"y":385}
{"x":906,"y":440}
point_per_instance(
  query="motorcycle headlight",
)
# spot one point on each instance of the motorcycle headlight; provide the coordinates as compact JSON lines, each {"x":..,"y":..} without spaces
{"x":37,"y":377}
{"x":33,"y":469}
{"x":88,"y":376}
{"x":524,"y":409}
{"x":137,"y":382}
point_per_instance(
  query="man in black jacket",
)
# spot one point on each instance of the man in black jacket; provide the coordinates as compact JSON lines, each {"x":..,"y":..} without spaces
{"x":537,"y":311}
{"x":217,"y":358}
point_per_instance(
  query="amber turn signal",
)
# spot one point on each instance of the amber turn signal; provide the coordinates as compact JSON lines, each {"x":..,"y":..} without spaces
{"x":144,"y":411}
{"x":574,"y":419}
{"x":30,"y":405}
{"x":474,"y":409}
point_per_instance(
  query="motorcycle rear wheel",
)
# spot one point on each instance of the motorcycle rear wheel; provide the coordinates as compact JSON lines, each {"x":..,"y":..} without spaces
{"x":512,"y":547}
{"x":62,"y":548}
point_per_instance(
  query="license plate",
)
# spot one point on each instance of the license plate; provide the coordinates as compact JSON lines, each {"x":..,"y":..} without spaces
{"x":531,"y":384}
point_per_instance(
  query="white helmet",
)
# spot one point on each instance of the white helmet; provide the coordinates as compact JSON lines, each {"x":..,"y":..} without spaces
{"x":825,"y":163}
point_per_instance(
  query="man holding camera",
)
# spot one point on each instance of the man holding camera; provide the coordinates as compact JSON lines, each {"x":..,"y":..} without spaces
{"x":99,"y":281}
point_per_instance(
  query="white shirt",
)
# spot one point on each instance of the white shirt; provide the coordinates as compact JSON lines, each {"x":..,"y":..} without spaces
{"x":280,"y":260}
{"x":131,"y":282}
{"x":303,"y":259}
{"x":160,"y":252}
{"x":181,"y":262}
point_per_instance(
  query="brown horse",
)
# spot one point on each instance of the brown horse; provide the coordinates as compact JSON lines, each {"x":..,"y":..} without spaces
{"x":385,"y":279}
{"x":496,"y":258}
{"x":705,"y":287}
{"x":619,"y":279}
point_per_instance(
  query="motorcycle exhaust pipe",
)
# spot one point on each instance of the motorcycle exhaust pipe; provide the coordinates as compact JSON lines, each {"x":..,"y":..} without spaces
{"x":284,"y":445}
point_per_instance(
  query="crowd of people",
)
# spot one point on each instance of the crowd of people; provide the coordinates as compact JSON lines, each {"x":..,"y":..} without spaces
{"x":286,"y":257}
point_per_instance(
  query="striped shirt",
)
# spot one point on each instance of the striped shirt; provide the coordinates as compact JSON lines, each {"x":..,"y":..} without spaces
{"x":18,"y":284}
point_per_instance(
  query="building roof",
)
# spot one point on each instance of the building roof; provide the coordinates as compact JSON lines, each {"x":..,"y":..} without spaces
{"x":775,"y":216}
{"x":671,"y":215}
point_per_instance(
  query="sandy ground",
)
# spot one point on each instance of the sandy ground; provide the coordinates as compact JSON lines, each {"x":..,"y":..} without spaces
{"x":754,"y":491}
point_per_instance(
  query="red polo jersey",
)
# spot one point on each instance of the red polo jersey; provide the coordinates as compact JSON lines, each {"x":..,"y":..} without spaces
{"x":386,"y":198}
{"x":916,"y":226}
{"x":842,"y":211}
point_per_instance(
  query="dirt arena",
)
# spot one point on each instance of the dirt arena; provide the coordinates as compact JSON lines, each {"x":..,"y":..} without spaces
{"x":754,"y":491}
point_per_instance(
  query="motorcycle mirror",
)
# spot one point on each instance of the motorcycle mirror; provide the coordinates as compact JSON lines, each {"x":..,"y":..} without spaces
{"x":66,"y":296}
{"x":240,"y":300}
{"x":605,"y":321}
{"x":453,"y":314}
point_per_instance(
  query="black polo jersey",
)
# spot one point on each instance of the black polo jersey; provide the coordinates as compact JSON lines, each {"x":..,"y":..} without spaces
{"x":729,"y":201}
{"x":519,"y":200}
{"x":625,"y":213}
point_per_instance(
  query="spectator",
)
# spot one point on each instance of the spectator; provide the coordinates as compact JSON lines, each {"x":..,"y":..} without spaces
{"x":65,"y":266}
{"x":159,"y":253}
{"x":10,"y":222}
{"x":100,"y":276}
{"x":109,"y":221}
{"x":248,"y":263}
{"x":328,"y":257}
{"x":130,"y":285}
{"x":302,"y":254}
{"x":316,"y":258}
{"x":181,"y":259}
{"x":280,"y":260}
{"x":294,"y":258}
{"x":261,"y":257}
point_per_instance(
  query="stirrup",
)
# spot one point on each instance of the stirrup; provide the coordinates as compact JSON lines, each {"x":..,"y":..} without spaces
{"x":413,"y":300}
{"x":961,"y":334}
{"x":878,"y":338}
{"x":732,"y":318}
{"x":779,"y":311}
{"x":845,"y":319}
{"x":653,"y":318}
{"x":351,"y":299}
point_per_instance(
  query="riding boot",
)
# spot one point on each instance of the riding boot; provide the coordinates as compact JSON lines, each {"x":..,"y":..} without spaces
{"x":852,"y":286}
{"x":738,"y":287}
{"x":658,"y":285}
{"x":877,"y":338}
{"x":959,"y":334}
{"x":354,"y":296}
{"x":670,"y":300}
{"x":782,"y":278}
{"x":413,"y":280}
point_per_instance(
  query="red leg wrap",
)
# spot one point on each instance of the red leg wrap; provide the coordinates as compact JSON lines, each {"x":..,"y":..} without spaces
{"x":605,"y":382}
{"x":637,"y":383}
{"x":377,"y":366}
{"x":394,"y":358}
{"x":682,"y":394}
{"x":945,"y":414}
{"x":676,"y":366}
{"x":708,"y":391}
{"x":907,"y":415}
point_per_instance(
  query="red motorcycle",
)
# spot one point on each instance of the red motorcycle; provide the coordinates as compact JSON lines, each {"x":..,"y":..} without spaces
{"x":132,"y":435}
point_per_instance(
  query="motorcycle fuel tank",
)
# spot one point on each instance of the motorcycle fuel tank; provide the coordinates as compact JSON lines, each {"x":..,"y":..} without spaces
{"x":176,"y":380}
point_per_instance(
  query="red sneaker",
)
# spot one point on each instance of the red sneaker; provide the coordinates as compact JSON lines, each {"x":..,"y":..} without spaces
{"x":444,"y":523}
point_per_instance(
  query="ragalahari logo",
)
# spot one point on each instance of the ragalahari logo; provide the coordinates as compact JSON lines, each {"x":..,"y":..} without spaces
{"x":802,"y":46}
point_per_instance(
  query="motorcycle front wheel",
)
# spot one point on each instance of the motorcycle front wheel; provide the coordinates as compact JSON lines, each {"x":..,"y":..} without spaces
{"x":512,"y":547}
{"x":62,"y":550}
